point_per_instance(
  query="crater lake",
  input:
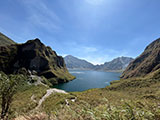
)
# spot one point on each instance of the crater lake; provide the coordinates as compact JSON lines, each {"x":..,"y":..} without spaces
{"x":88,"y":79}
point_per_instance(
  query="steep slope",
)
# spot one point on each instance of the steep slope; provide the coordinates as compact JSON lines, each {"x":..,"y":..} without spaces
{"x":4,"y":40}
{"x":119,"y":63}
{"x":75,"y":63}
{"x":34,"y":57}
{"x":147,"y":62}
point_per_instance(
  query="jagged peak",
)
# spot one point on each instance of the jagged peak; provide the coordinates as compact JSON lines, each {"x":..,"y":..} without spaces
{"x":36,"y":40}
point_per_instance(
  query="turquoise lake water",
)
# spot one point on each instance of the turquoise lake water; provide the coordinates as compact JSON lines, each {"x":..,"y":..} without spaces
{"x":88,"y":79}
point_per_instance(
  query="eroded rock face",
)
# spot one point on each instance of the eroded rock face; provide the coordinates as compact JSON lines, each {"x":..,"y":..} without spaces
{"x":34,"y":56}
{"x":147,"y":62}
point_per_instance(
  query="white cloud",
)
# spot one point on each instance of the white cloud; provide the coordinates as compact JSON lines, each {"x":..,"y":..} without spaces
{"x":99,"y":56}
{"x":96,"y":59}
{"x":63,"y":55}
{"x":40,"y":15}
{"x":95,"y":55}
{"x":40,"y":20}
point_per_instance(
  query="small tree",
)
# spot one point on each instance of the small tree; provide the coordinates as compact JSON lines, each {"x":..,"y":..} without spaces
{"x":8,"y":87}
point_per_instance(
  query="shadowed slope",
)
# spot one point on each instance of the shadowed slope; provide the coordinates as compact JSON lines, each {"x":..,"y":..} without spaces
{"x":147,"y":62}
{"x":34,"y":56}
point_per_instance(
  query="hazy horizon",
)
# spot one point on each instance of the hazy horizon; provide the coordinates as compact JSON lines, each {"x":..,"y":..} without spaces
{"x":95,"y":30}
{"x":95,"y":63}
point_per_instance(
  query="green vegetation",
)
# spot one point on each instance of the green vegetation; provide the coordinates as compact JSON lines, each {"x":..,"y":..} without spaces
{"x":9,"y":86}
{"x":62,"y":76}
{"x":17,"y":96}
{"x":131,"y":99}
{"x":135,"y":97}
{"x":99,"y":104}
{"x":4,"y":40}
{"x":41,"y":60}
{"x":27,"y":99}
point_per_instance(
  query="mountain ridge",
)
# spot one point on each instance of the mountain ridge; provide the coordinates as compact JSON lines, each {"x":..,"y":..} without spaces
{"x":117,"y":64}
{"x":147,"y":62}
{"x":76,"y":63}
{"x":33,"y":56}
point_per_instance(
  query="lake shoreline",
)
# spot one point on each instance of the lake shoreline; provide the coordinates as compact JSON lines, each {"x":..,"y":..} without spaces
{"x":88,"y":79}
{"x":116,"y":71}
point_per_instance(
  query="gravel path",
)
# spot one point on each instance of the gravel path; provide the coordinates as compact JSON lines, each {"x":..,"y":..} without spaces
{"x":49,"y":92}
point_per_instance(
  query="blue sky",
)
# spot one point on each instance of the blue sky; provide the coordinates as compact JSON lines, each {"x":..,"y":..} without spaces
{"x":95,"y":30}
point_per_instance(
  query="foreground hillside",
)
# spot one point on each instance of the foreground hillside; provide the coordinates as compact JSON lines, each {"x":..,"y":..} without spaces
{"x":131,"y":99}
{"x":4,"y":40}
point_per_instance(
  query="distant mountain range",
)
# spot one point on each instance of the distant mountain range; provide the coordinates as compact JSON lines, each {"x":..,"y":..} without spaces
{"x":117,"y":64}
{"x":76,"y":63}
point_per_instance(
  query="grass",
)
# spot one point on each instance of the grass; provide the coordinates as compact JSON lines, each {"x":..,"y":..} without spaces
{"x":22,"y":102}
{"x":110,"y":106}
{"x":4,"y":40}
{"x":131,"y":99}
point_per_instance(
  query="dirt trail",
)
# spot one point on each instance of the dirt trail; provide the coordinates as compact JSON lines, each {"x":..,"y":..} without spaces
{"x":41,"y":115}
{"x":49,"y":92}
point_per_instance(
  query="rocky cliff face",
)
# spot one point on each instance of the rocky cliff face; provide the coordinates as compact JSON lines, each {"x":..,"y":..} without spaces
{"x":34,"y":56}
{"x":147,"y":62}
{"x":4,"y":40}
